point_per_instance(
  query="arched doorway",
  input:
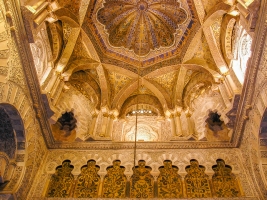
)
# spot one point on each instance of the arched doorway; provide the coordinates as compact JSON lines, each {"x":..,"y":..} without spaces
{"x":12,"y":139}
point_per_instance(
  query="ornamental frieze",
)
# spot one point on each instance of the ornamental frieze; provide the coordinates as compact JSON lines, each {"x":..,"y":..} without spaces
{"x":142,"y":184}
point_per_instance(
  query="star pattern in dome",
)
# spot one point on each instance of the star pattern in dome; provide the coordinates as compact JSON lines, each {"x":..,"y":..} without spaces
{"x":142,"y":26}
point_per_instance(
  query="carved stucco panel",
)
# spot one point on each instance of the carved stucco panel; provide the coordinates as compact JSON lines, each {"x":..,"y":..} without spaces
{"x":153,"y":159}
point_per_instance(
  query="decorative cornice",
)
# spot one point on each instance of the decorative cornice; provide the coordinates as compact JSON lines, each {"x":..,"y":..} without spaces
{"x":140,"y":145}
{"x":241,"y":198}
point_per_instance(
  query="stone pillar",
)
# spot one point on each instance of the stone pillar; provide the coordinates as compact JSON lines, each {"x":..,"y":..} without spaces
{"x":51,"y":83}
{"x":224,"y":95}
{"x":100,"y":189}
{"x":179,"y":131}
{"x":46,"y":77}
{"x":183,"y":184}
{"x":92,"y":124}
{"x":59,"y":91}
{"x":173,"y":128}
{"x":155,"y":186}
{"x":128,"y":185}
{"x":233,"y":86}
{"x":110,"y":125}
{"x":104,"y":124}
{"x":55,"y":87}
{"x":189,"y":124}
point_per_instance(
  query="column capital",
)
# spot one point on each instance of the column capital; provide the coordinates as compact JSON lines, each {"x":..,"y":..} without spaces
{"x":104,"y":109}
{"x":105,"y":114}
{"x":188,"y":113}
{"x":112,"y":116}
{"x":226,"y":73}
{"x":95,"y":113}
{"x":172,"y":116}
{"x":177,"y":114}
{"x":178,"y":109}
{"x":58,"y":73}
{"x":168,"y":113}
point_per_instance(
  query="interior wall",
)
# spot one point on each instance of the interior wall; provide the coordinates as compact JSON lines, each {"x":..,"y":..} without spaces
{"x":252,"y":149}
{"x":153,"y":158}
{"x":14,"y":93}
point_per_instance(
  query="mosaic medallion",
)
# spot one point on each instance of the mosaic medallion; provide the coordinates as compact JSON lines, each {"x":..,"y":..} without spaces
{"x":142,"y":26}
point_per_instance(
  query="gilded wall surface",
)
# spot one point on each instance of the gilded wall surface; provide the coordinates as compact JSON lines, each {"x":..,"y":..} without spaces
{"x":16,"y":99}
{"x":158,"y":173}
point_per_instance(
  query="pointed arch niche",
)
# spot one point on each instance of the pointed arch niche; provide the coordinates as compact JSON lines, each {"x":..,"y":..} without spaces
{"x":12,"y":145}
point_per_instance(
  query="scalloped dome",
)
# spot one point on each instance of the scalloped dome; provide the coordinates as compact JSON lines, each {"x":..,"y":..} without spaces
{"x":151,"y":23}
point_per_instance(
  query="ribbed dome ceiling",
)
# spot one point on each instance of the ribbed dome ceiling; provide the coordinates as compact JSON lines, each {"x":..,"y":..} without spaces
{"x":151,"y":23}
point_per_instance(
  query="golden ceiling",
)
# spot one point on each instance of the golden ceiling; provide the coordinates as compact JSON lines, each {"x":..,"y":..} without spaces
{"x":107,"y":44}
{"x":108,"y":53}
{"x":147,"y":31}
{"x":142,"y":26}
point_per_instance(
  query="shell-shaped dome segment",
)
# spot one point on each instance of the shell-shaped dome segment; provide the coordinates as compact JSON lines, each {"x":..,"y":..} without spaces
{"x":142,"y":25}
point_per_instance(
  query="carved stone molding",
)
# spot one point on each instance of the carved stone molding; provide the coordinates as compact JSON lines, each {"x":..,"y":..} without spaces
{"x":142,"y":145}
{"x":154,"y":159}
{"x":241,"y":198}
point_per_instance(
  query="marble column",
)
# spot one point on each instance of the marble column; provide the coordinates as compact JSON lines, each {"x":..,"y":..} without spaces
{"x":100,"y":188}
{"x":173,"y":128}
{"x":92,"y":124}
{"x":51,"y":82}
{"x":55,"y":87}
{"x":189,"y":124}
{"x":104,"y":124}
{"x":233,"y":86}
{"x":59,"y":91}
{"x":179,"y":131}
{"x":224,"y":95}
{"x":110,"y":125}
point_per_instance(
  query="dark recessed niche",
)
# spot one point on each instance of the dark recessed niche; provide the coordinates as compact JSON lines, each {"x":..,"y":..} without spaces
{"x":67,"y":121}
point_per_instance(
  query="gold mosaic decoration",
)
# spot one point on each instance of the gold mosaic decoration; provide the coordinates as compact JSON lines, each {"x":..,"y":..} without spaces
{"x":167,"y":81}
{"x":142,"y":183}
{"x":142,"y":25}
{"x":224,"y":182}
{"x":216,"y":28}
{"x":204,"y":52}
{"x":208,"y":5}
{"x":115,"y":181}
{"x":169,"y":182}
{"x":117,"y":82}
{"x":62,"y":181}
{"x":196,"y":181}
{"x":142,"y":90}
{"x":88,"y":181}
